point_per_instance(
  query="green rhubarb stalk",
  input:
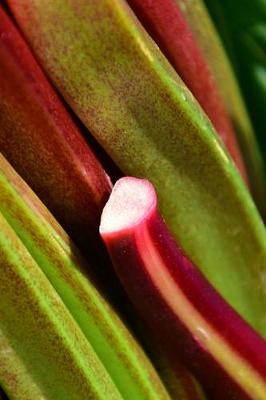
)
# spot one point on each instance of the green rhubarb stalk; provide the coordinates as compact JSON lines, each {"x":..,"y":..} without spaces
{"x":43,"y":353}
{"x":190,"y":320}
{"x":242,"y":27}
{"x":165,"y":23}
{"x":123,"y":89}
{"x":208,"y":39}
{"x":52,"y":249}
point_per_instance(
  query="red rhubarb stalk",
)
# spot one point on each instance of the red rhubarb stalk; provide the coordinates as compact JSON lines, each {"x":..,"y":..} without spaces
{"x":165,"y":23}
{"x":43,"y":143}
{"x":189,"y":317}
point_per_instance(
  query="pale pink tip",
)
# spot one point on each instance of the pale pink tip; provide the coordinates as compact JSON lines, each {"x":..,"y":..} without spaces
{"x":131,"y":200}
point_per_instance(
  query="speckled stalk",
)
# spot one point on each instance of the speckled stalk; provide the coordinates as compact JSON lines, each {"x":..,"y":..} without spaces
{"x":185,"y":312}
{"x":167,"y":26}
{"x":43,"y":353}
{"x":42,"y":142}
{"x":115,"y":346}
{"x":208,"y":39}
{"x":122,"y":357}
{"x":242,"y":30}
{"x":123,"y":89}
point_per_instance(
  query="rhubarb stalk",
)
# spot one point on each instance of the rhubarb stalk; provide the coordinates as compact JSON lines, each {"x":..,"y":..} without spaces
{"x":43,"y":143}
{"x":71,"y":277}
{"x":189,"y":317}
{"x":241,"y":25}
{"x":196,"y":14}
{"x":125,"y":92}
{"x":165,"y":23}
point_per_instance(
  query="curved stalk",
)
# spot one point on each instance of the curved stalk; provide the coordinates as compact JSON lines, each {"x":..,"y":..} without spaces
{"x":185,"y":312}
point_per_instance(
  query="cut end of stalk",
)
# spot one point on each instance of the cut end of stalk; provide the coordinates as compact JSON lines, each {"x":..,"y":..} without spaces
{"x":131,"y":200}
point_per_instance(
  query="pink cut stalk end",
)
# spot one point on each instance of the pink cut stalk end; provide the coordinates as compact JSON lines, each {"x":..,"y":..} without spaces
{"x":186,"y":315}
{"x":131,"y":201}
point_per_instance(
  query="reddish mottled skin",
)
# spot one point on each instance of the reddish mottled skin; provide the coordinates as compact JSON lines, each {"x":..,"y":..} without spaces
{"x":42,"y":142}
{"x":71,"y":277}
{"x":165,"y":23}
{"x":126,"y":251}
{"x":120,"y":85}
{"x":205,"y":299}
{"x":51,"y":357}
